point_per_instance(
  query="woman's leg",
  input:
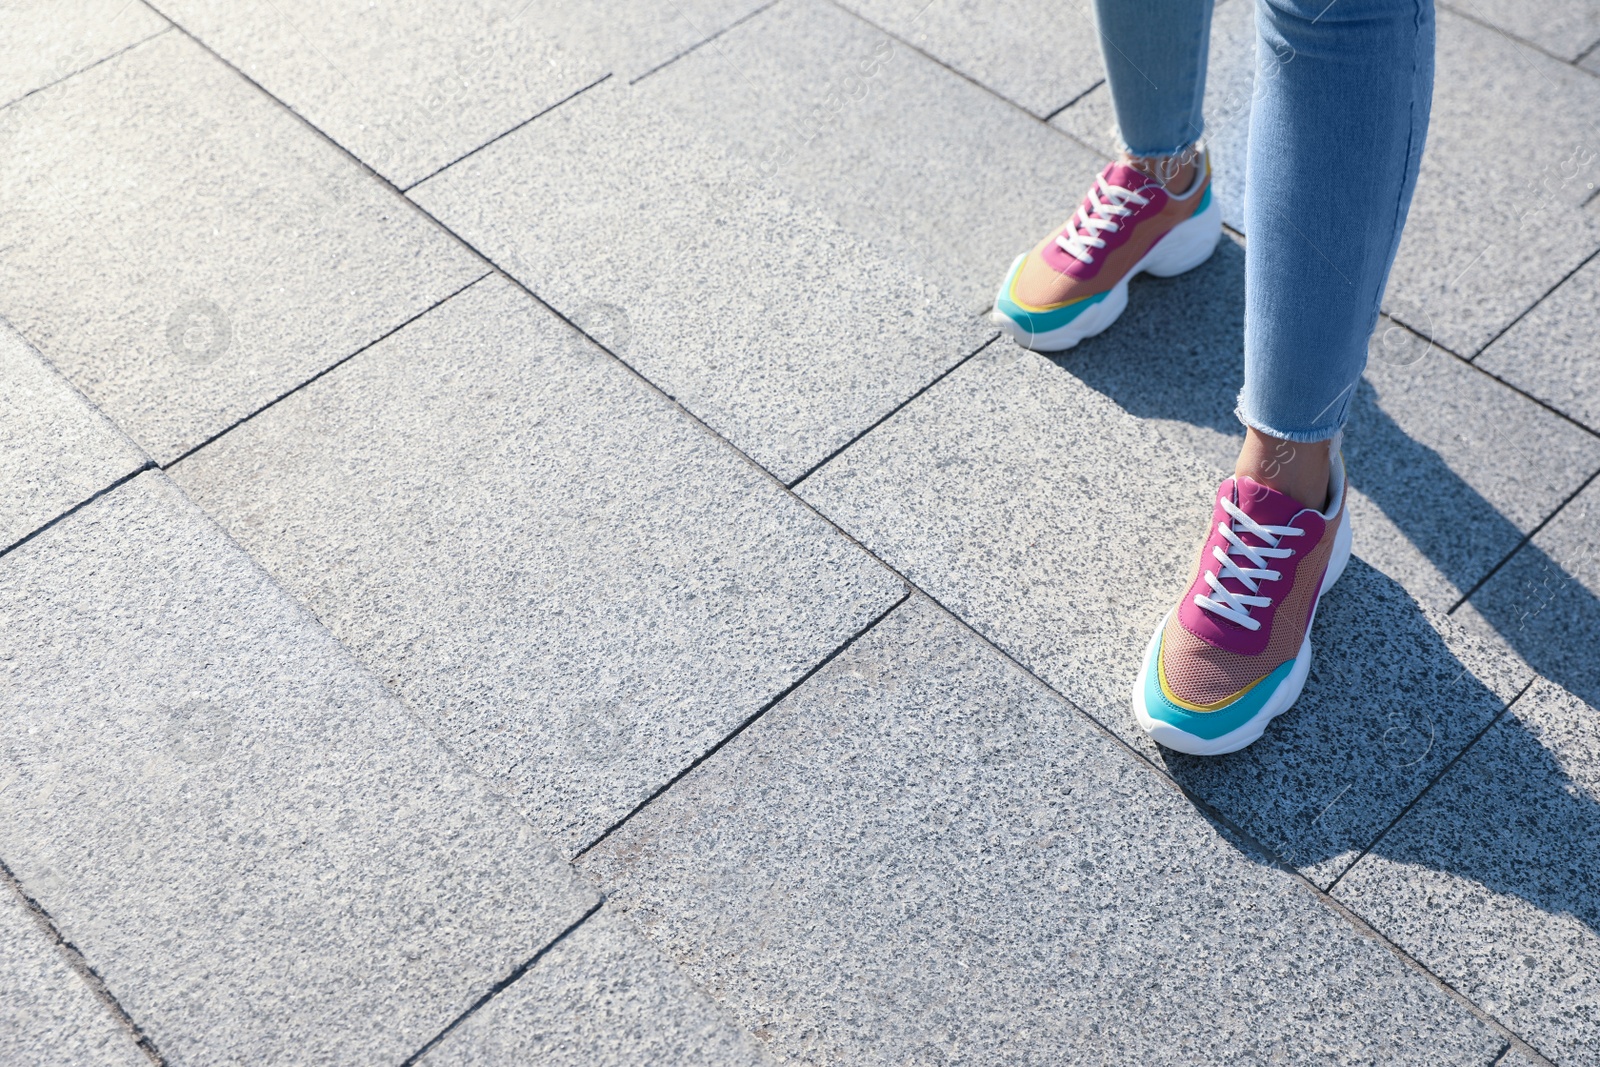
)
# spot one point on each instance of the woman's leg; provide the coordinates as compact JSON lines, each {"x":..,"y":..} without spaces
{"x":1149,"y":212}
{"x":1335,"y":139}
{"x":1336,"y":136}
{"x":1155,"y":56}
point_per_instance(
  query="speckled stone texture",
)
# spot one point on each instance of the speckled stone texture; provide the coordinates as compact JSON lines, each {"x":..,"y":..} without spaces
{"x":923,"y":856}
{"x":410,"y":87}
{"x":1493,"y":880}
{"x":1489,"y":147}
{"x":55,"y":450}
{"x":261,"y":853}
{"x":787,"y":335}
{"x":1453,"y":469}
{"x":1564,"y":28}
{"x":48,"y":1015}
{"x":1231,"y":66}
{"x":1063,"y":529}
{"x":603,"y":996}
{"x":186,"y":252}
{"x":43,"y":41}
{"x":1550,"y":353}
{"x":952,"y":182}
{"x":1450,"y":469}
{"x":1545,"y":602}
{"x":578,"y":587}
{"x":1039,"y":56}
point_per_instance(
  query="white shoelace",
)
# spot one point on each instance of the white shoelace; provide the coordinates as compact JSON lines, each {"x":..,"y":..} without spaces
{"x":1235,"y":607}
{"x":1106,"y":212}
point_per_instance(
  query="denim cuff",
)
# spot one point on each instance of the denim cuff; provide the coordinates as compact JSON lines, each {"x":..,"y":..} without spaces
{"x":1161,"y":153}
{"x":1300,"y":437}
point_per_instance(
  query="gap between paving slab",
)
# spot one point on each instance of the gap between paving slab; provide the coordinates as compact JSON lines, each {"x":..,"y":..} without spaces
{"x":56,"y":449}
{"x":1566,"y":36}
{"x":1547,"y":598}
{"x":601,"y":340}
{"x":971,"y":494}
{"x":460,"y":554}
{"x":601,"y":996}
{"x":409,"y":87}
{"x":1493,"y":879}
{"x":709,"y":956}
{"x":695,"y":270}
{"x":43,"y":43}
{"x":824,"y":105}
{"x":409,"y":868}
{"x":499,"y":987}
{"x":36,"y":1011}
{"x":284,"y":257}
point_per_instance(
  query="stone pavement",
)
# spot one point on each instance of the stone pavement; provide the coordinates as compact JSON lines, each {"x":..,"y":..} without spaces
{"x":480,"y":586}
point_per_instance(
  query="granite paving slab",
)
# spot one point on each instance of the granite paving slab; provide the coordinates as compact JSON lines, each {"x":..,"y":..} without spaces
{"x":185,"y":251}
{"x":1063,"y":528}
{"x":603,"y":996}
{"x":1492,"y":881}
{"x":924,"y":856}
{"x":1515,"y":1057}
{"x":746,"y":308}
{"x":43,"y":41}
{"x":1039,"y":56}
{"x":48,"y":1016}
{"x":55,"y":450}
{"x":1564,"y":28}
{"x":1452,"y":466}
{"x":1231,"y":66}
{"x":1550,"y":352}
{"x":1509,"y":126}
{"x":951,"y":181}
{"x":411,"y":87}
{"x":262,"y":854}
{"x":577,"y":586}
{"x":1545,"y":601}
{"x":1450,"y":469}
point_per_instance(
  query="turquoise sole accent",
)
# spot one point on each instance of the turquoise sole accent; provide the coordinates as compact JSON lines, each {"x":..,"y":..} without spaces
{"x":1041,"y":321}
{"x":1209,"y":725}
{"x":1037,"y":322}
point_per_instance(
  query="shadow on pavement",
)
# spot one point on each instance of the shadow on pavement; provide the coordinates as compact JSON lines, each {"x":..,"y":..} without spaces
{"x":1389,"y":703}
{"x":1176,"y":355}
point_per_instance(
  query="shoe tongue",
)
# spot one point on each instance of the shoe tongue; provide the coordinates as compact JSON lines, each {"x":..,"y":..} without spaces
{"x":1263,"y":503}
{"x":1114,"y":174}
{"x":1128,"y":177}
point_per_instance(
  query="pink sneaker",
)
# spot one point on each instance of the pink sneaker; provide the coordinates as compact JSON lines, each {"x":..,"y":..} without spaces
{"x":1235,"y":652}
{"x":1074,"y":284}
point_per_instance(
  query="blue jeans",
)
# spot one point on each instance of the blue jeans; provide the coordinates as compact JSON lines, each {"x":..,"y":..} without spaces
{"x":1343,"y":90}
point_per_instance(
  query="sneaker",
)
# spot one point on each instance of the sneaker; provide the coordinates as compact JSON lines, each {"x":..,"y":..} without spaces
{"x":1236,"y":650}
{"x":1075,"y":283}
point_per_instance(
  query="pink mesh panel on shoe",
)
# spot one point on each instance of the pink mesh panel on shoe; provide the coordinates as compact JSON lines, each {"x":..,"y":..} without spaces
{"x":1118,"y":174}
{"x":1202,"y":673}
{"x":1049,"y":276}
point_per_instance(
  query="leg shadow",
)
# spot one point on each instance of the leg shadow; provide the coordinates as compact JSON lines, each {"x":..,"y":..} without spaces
{"x":1396,"y":690}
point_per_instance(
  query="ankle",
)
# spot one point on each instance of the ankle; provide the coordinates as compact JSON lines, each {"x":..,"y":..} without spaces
{"x":1177,"y":174}
{"x":1298,"y":470}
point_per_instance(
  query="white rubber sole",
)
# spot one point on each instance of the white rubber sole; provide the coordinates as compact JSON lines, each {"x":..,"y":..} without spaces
{"x":1169,"y":736}
{"x":1185,"y":247}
